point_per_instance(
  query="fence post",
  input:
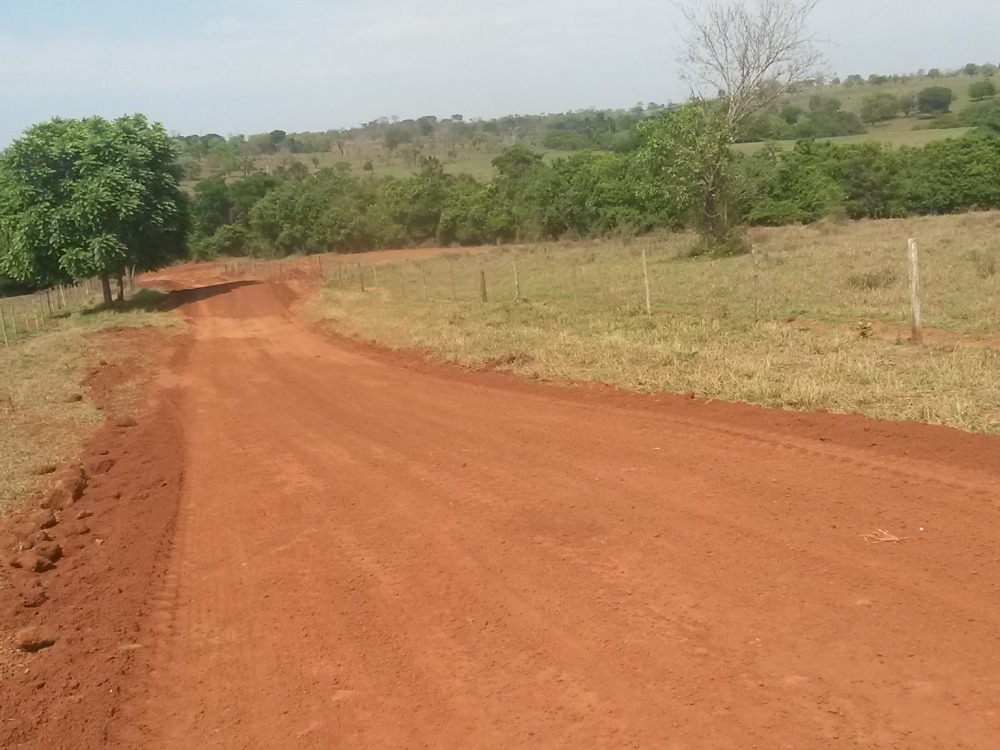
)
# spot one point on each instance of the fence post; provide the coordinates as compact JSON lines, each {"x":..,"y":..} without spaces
{"x":918,"y":333}
{"x":451,"y":266}
{"x":402,"y":283}
{"x":482,"y":283}
{"x":423,"y":279}
{"x":3,"y":325}
{"x":48,"y":301}
{"x":645,"y":280}
{"x":13,"y":322}
{"x":756,"y":283}
{"x":375,"y":274}
{"x":517,"y":282}
{"x":34,"y":306}
{"x":361,"y":277}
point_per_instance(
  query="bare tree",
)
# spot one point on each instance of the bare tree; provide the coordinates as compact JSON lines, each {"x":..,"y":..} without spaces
{"x":746,"y":52}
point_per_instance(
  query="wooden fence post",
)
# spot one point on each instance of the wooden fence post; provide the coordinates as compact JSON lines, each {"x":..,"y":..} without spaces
{"x":918,"y":333}
{"x":645,"y":279}
{"x":13,"y":322}
{"x":451,"y":266}
{"x":756,"y":283}
{"x":375,"y":273}
{"x":34,"y":306}
{"x":402,"y":283}
{"x":482,"y":283}
{"x":3,"y":325}
{"x":517,"y":282}
{"x":423,"y":279}
{"x":361,"y":277}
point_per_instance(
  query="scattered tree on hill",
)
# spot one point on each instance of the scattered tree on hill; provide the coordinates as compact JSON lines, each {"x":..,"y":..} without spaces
{"x":934,"y":73}
{"x":879,"y":107}
{"x":971,"y":69}
{"x":907,"y":104}
{"x":81,"y":198}
{"x":935,"y":100}
{"x":982,"y":90}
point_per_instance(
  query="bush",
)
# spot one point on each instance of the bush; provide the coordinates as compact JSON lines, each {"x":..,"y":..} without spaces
{"x":935,"y":100}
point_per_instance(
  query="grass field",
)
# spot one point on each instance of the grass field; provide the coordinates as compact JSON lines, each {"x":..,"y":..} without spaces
{"x":40,"y":376}
{"x":896,"y":138}
{"x":823,"y":326}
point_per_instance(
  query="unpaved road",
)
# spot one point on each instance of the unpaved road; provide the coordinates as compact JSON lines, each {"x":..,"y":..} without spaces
{"x":371,"y":552}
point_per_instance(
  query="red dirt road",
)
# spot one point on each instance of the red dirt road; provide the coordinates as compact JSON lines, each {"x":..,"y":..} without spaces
{"x":372,"y":552}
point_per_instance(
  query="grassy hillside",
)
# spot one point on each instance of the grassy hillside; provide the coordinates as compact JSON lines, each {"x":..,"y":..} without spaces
{"x":878,"y":134}
{"x":851,"y":96}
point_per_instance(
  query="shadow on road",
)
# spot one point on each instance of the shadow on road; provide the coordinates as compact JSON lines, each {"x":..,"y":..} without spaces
{"x":177,"y":297}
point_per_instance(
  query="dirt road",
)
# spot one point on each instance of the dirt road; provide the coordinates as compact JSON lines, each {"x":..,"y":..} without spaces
{"x":372,"y":552}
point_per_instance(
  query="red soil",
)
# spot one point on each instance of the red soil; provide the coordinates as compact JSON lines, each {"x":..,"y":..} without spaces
{"x":372,"y":550}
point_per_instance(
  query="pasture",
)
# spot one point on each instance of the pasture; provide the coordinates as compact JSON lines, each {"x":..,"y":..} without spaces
{"x":818,"y":322}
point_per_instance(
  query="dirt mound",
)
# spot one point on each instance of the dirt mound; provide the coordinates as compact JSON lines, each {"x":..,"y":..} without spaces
{"x":83,"y":563}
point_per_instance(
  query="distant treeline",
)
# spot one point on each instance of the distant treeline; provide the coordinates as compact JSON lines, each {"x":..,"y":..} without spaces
{"x":587,"y":194}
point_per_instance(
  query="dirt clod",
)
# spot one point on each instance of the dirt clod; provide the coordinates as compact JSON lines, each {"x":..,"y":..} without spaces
{"x":43,"y":519}
{"x":35,"y":638}
{"x":43,"y":469}
{"x":125,"y":422}
{"x":74,"y":528}
{"x":51,"y":551}
{"x":33,"y":563}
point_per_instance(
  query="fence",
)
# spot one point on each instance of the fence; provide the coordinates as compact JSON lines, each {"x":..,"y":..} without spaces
{"x":20,"y":317}
{"x":795,"y":276}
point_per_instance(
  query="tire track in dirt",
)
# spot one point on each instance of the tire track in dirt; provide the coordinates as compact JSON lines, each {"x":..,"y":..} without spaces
{"x":375,"y":556}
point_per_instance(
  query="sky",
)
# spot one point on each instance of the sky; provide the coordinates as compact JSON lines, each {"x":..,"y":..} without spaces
{"x":250,"y":66}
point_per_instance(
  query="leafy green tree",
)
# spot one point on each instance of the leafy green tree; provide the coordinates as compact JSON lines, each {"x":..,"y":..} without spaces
{"x":879,"y":107}
{"x":81,"y":198}
{"x":970,"y":69}
{"x":935,"y":100}
{"x":907,"y":104}
{"x":982,"y":90}
{"x":689,"y":152}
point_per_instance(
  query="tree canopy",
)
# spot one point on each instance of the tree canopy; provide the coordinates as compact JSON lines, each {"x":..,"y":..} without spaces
{"x":90,"y":197}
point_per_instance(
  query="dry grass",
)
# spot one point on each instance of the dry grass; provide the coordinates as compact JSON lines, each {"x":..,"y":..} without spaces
{"x":805,"y":343}
{"x":38,"y":422}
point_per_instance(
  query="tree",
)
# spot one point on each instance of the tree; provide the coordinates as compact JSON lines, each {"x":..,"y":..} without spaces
{"x":748,"y":52}
{"x":80,"y":198}
{"x":935,"y":100}
{"x":970,"y":69}
{"x":907,"y":103}
{"x":934,"y":73}
{"x":879,"y":107}
{"x":982,"y":90}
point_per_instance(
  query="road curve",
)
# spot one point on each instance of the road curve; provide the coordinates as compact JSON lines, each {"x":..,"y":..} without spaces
{"x":372,"y":553}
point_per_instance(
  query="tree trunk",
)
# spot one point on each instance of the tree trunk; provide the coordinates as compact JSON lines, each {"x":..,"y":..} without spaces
{"x":106,"y":288}
{"x":121,"y":288}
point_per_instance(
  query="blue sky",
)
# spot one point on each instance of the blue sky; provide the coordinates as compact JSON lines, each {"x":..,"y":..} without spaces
{"x":250,"y":66}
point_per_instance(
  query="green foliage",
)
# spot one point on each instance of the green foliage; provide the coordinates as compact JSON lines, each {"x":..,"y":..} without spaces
{"x":935,"y":100}
{"x":982,"y":90}
{"x":689,"y":155}
{"x":90,"y":197}
{"x":879,"y":107}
